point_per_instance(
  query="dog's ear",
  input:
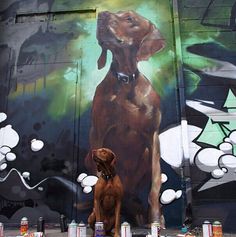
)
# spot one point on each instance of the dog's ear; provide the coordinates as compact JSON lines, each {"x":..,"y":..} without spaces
{"x":102,"y":59}
{"x":113,"y":162}
{"x":151,"y":43}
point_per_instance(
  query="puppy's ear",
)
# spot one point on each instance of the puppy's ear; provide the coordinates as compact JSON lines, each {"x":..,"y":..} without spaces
{"x":102,"y":59}
{"x":99,"y":169}
{"x":152,"y":43}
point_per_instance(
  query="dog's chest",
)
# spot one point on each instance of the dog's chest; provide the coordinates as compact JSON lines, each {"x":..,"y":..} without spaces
{"x":109,"y":194}
{"x":126,"y":109}
{"x":131,"y":108}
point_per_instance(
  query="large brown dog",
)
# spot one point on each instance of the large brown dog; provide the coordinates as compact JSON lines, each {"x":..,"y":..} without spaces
{"x":126,"y":108}
{"x":107,"y":193}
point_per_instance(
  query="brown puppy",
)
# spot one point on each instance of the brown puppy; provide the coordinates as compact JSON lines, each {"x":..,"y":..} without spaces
{"x":126,"y":109}
{"x":107,"y":193}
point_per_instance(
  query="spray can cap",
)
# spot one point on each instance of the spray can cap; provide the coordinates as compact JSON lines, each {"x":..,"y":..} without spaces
{"x":73,"y":223}
{"x":206,"y":222}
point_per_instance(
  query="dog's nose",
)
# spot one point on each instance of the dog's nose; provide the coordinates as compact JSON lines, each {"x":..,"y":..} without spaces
{"x":103,"y":15}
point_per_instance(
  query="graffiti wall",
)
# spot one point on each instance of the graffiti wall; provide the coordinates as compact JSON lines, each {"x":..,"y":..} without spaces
{"x":153,"y":82}
{"x":208,"y":61}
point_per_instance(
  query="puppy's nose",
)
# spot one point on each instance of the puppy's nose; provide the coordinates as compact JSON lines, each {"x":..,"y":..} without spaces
{"x":93,"y":151}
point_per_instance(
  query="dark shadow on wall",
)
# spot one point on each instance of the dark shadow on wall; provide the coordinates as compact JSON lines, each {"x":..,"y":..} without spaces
{"x":222,"y":76}
{"x":230,"y":22}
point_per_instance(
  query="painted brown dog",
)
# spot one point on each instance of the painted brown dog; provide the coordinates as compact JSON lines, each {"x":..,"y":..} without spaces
{"x":126,"y":109}
{"x":108,"y":192}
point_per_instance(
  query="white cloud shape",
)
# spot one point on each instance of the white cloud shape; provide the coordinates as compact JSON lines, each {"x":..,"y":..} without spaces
{"x":8,"y":137}
{"x":226,"y":147}
{"x":4,"y":150}
{"x":164,"y":178}
{"x":87,"y":189}
{"x":81,"y":177}
{"x":3,"y":166}
{"x":10,"y":156}
{"x":26,"y":175}
{"x":221,"y":163}
{"x":90,"y":180}
{"x":3,"y":117}
{"x":207,"y":159}
{"x":227,"y":161}
{"x":36,"y":145}
{"x":169,"y":195}
{"x":87,"y":181}
{"x":8,"y":140}
{"x":232,"y":137}
{"x":173,"y":154}
{"x":217,"y":173}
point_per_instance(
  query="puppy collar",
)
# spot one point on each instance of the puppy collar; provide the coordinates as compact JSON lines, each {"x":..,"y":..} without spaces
{"x":107,"y":177}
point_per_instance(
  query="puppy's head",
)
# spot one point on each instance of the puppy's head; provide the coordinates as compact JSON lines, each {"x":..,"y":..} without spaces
{"x":105,"y":159}
{"x":128,"y":30}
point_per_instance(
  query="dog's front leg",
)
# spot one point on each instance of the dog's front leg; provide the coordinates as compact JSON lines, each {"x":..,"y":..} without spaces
{"x":97,"y":209}
{"x":117,"y":218}
{"x":156,"y":180}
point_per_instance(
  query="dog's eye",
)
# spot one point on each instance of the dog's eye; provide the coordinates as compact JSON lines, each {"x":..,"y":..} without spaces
{"x":129,"y":19}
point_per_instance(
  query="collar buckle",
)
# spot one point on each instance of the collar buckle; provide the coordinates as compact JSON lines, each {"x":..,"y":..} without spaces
{"x":125,"y":78}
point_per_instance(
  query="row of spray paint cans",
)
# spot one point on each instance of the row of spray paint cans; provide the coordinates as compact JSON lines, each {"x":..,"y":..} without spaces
{"x":212,"y":230}
{"x":79,"y":230}
{"x":24,"y":228}
{"x":126,"y":230}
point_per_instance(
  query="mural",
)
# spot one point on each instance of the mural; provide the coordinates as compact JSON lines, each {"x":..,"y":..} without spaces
{"x":126,"y":109}
{"x":49,"y":77}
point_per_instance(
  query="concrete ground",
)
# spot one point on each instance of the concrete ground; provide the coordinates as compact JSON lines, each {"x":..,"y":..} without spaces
{"x":55,"y":232}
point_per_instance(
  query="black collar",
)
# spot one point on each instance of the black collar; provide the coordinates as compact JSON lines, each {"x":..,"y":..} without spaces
{"x":107,"y":177}
{"x":125,"y":78}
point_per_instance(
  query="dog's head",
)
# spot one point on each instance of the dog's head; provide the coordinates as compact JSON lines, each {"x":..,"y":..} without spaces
{"x":127,"y":30}
{"x":105,"y":160}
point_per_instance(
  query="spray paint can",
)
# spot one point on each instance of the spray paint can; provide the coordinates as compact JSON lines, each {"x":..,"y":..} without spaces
{"x":81,"y":230}
{"x":63,"y":225}
{"x":217,"y":229}
{"x":1,"y":230}
{"x":72,"y":229}
{"x":206,"y":229}
{"x":40,"y":225}
{"x":99,"y":229}
{"x":24,"y":226}
{"x":125,"y":229}
{"x":155,"y":229}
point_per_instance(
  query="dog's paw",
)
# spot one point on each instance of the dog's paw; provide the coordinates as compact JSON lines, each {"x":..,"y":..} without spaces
{"x":139,"y":219}
{"x":116,"y":235}
{"x":162,"y":222}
